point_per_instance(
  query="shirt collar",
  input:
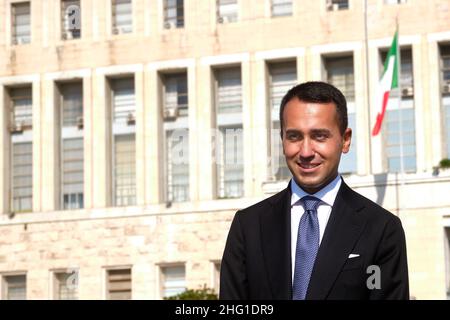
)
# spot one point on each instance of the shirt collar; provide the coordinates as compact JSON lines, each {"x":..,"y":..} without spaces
{"x":327,"y":194}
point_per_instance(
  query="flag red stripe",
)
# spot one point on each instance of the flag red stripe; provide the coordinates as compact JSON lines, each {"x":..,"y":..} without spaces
{"x":377,"y":127}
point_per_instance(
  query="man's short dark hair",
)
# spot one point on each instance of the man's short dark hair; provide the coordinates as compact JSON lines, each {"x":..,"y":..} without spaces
{"x":318,"y":92}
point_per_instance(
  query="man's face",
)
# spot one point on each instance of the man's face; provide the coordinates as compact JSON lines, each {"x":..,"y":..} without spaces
{"x":312,"y":143}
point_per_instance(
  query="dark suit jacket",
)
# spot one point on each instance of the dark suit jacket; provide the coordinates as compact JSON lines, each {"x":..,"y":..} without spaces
{"x":256,"y":262}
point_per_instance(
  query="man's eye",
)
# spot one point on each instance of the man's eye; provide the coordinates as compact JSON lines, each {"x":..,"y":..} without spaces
{"x":320,"y":136}
{"x":292,"y":136}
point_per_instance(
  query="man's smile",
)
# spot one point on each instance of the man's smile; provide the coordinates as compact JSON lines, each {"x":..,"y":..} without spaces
{"x":308,"y":167}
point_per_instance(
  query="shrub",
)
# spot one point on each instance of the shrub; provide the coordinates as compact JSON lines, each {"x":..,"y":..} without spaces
{"x":445,"y":163}
{"x":195,"y":294}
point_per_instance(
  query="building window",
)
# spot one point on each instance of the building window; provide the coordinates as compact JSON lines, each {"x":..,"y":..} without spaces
{"x":335,"y":5}
{"x":122,"y":16}
{"x":230,"y":162}
{"x":124,"y":149}
{"x":173,"y":14}
{"x":177,"y":161}
{"x":66,"y":285}
{"x":399,"y":123}
{"x":21,"y":112}
{"x":282,"y":77}
{"x":227,"y":11}
{"x":395,"y":1}
{"x":281,"y":8}
{"x":124,"y":170}
{"x":123,"y":102}
{"x":72,"y":150}
{"x":72,"y":173}
{"x":70,"y":19}
{"x":216,"y":276}
{"x":339,"y":73}
{"x":72,"y":104}
{"x":15,"y":287}
{"x":21,"y":149}
{"x":22,"y":179}
{"x":445,"y":81}
{"x":447,"y":258}
{"x":406,"y":76}
{"x":21,"y":23}
{"x":229,"y":90}
{"x":119,"y":284}
{"x":393,"y":138}
{"x":229,"y":149}
{"x":173,"y":280}
{"x":446,"y":106}
{"x":175,"y":94}
{"x":176,"y":134}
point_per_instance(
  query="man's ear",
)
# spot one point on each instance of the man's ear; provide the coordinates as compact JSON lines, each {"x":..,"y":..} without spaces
{"x":347,"y":139}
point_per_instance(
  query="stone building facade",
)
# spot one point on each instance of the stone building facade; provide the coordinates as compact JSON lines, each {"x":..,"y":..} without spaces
{"x":93,"y":202}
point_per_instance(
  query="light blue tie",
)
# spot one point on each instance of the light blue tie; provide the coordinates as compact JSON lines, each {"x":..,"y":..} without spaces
{"x":307,"y":247}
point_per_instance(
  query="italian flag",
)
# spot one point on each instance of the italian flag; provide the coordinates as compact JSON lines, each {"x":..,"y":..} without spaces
{"x":387,"y":82}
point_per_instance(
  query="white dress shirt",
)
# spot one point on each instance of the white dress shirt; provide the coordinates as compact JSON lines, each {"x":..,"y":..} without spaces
{"x":327,"y":195}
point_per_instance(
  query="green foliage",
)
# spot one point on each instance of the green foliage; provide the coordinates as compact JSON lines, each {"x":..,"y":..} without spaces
{"x":445,"y":163}
{"x":195,"y":294}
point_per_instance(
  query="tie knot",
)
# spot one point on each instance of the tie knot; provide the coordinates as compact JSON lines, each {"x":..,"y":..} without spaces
{"x":310,"y":203}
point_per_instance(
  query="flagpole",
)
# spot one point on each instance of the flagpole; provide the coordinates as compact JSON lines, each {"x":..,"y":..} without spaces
{"x":366,"y":38}
{"x":402,"y":169}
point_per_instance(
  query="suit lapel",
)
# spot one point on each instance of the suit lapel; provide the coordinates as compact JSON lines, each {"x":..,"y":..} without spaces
{"x":276,"y":244}
{"x":343,"y":230}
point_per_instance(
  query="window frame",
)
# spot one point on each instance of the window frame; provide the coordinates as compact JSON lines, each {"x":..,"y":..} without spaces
{"x":227,"y":118}
{"x":281,"y":3}
{"x":216,"y":267}
{"x":391,"y":2}
{"x":405,"y":50}
{"x":444,"y":55}
{"x":337,"y":5}
{"x":21,"y":136}
{"x":56,"y":282}
{"x":124,"y":128}
{"x":177,"y":21}
{"x":224,"y":19}
{"x":345,"y":61}
{"x":14,"y":37}
{"x":108,"y":284}
{"x":274,"y":121}
{"x":174,"y":121}
{"x":117,"y":29}
{"x":67,"y":133}
{"x":5,"y":285}
{"x":162,"y":277}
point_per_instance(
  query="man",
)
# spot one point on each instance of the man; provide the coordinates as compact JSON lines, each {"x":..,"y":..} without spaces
{"x":316,"y":239}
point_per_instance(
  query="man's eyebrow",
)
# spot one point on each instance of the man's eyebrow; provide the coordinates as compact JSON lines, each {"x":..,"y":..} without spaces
{"x":321,"y":131}
{"x":313,"y":131}
{"x":292,"y":131}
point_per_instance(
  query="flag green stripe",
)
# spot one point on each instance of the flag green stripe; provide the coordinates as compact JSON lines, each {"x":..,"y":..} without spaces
{"x":393,"y":52}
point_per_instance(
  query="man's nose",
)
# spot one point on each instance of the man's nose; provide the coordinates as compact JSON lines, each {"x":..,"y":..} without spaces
{"x":306,"y":149}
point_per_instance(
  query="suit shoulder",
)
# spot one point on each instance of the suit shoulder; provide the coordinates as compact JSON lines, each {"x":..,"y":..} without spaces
{"x":375,"y":210}
{"x":264,"y":205}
